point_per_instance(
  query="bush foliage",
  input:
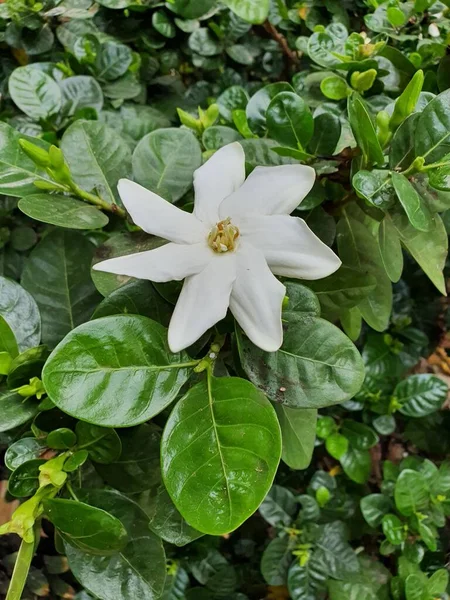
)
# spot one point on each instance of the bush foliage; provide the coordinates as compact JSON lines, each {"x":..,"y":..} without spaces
{"x":326,"y":474}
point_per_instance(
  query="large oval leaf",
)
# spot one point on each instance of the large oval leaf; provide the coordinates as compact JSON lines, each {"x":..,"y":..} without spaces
{"x":421,"y":394}
{"x":165,"y":160}
{"x":20,"y":311}
{"x":34,"y":92}
{"x":97,"y":156}
{"x":115,"y":372}
{"x":57,"y":274}
{"x":220,"y":450}
{"x":137,"y":571}
{"x":63,"y":211}
{"x":80,"y":91}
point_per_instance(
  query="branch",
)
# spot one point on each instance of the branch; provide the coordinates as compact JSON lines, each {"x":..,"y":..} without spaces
{"x":291,"y":55}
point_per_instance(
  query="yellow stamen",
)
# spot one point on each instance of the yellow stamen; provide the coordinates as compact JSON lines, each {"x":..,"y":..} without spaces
{"x":223,"y":236}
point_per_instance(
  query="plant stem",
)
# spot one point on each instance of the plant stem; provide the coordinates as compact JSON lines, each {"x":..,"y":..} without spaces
{"x":22,"y":566}
{"x":99,"y":202}
{"x":291,"y":55}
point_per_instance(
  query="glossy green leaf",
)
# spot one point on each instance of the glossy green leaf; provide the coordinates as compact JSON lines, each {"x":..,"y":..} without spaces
{"x":164,"y":161}
{"x":34,"y":92}
{"x":253,"y":11}
{"x":428,"y":249}
{"x":417,"y":211}
{"x":406,"y":102}
{"x":79,"y":92}
{"x":8,"y":341}
{"x":322,"y":48}
{"x":432,"y":140}
{"x":359,"y":435}
{"x":112,"y":60}
{"x":27,"y":365}
{"x":375,"y":187}
{"x":421,"y":395}
{"x":374,"y":507}
{"x":335,"y":87}
{"x":358,"y":248}
{"x":306,"y":582}
{"x":298,"y":435}
{"x":17,"y":171}
{"x":204,"y":42}
{"x":334,"y":556}
{"x":24,"y":480}
{"x":336,"y":445}
{"x":86,"y":527}
{"x":390,"y":249}
{"x":402,"y":150}
{"x":233,"y":98}
{"x":211,"y":446}
{"x":438,"y":582}
{"x":124,"y":357}
{"x":276,"y":560}
{"x":289,"y":120}
{"x":393,"y":529}
{"x":327,"y":132}
{"x":259,"y":103}
{"x":23,"y":450}
{"x":411,"y":492}
{"x":217,"y":136}
{"x":279,"y":506}
{"x":97,"y":156}
{"x":21,"y":313}
{"x":357,"y":464}
{"x":364,"y":130}
{"x":137,"y":468}
{"x":62,"y":211}
{"x":326,"y":370}
{"x":15,"y":410}
{"x":103,"y":444}
{"x":61,"y":439}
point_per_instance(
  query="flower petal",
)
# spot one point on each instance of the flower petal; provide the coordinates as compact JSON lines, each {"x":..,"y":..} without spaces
{"x":166,"y":263}
{"x":290,"y":247}
{"x":219,"y":177}
{"x":203,"y":302}
{"x":270,"y":191}
{"x":158,"y":217}
{"x":256,"y":299}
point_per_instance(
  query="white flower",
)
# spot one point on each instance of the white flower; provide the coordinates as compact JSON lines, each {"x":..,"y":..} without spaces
{"x":433,"y":30}
{"x":230,"y":248}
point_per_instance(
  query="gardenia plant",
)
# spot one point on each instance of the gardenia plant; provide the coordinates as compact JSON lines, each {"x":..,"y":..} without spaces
{"x":229,"y":250}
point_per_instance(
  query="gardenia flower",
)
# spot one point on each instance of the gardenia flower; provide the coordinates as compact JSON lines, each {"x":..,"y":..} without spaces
{"x":230,"y":248}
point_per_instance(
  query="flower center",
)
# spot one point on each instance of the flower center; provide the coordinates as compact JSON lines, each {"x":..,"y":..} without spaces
{"x":223,"y":236}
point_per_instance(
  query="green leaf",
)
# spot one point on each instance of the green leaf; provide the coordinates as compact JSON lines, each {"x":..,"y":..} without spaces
{"x":238,"y":468}
{"x":27,"y":365}
{"x":233,"y":98}
{"x":62,"y":211}
{"x":80,"y":378}
{"x":104,"y":445}
{"x":136,"y":298}
{"x":289,"y":120}
{"x":279,"y":506}
{"x":432,"y":139}
{"x":375,"y":187}
{"x":335,"y":87}
{"x":428,"y":249}
{"x":333,"y":555}
{"x":133,"y":121}
{"x":322,"y":49}
{"x":23,"y":450}
{"x":190,"y":9}
{"x":17,"y":171}
{"x":438,"y":582}
{"x":137,"y":469}
{"x":217,"y":136}
{"x":276,"y":560}
{"x":15,"y":410}
{"x":21,"y":313}
{"x":204,"y":42}
{"x":326,"y":370}
{"x":411,"y":492}
{"x":358,"y":248}
{"x":402,"y":150}
{"x":351,"y":321}
{"x":24,"y":480}
{"x":136,"y":571}
{"x":415,"y":588}
{"x":364,"y":130}
{"x":61,"y":439}
{"x":78,"y":92}
{"x":305,"y":582}
{"x":345,"y":288}
{"x":57,"y":274}
{"x":298,"y":435}
{"x":112,"y":60}
{"x":336,"y":445}
{"x":393,"y":529}
{"x":97,"y":157}
{"x":357,"y":464}
{"x":253,"y":11}
{"x":259,"y":103}
{"x":164,"y":161}
{"x":390,"y":249}
{"x":406,"y":102}
{"x":163,"y":24}
{"x":8,"y":341}
{"x":261,"y":152}
{"x":85,"y":527}
{"x":374,"y":507}
{"x":421,"y":395}
{"x":34,"y":92}
{"x":327,"y":132}
{"x":165,"y":520}
{"x":359,"y":435}
{"x":417,"y":211}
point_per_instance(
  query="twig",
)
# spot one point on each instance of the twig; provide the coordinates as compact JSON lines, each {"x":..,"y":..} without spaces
{"x":291,"y":55}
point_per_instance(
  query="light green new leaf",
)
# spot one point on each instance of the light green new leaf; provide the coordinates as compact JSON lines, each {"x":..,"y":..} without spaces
{"x":123,"y":357}
{"x":220,"y":451}
{"x":406,"y":102}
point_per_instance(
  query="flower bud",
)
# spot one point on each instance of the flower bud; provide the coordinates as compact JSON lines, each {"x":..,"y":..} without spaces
{"x":38,"y":155}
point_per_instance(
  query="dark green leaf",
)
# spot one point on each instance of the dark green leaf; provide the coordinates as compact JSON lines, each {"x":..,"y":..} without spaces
{"x":21,"y":313}
{"x":259,"y":103}
{"x":15,"y":410}
{"x":393,"y":529}
{"x":374,"y":507}
{"x":62,"y":211}
{"x":289,"y":120}
{"x":375,"y":187}
{"x":22,"y":451}
{"x":103,"y":445}
{"x":298,"y":435}
{"x":327,"y":132}
{"x":421,"y":395}
{"x":276,"y":560}
{"x":279,"y":506}
{"x":364,"y":130}
{"x":390,"y":249}
{"x":411,"y":492}
{"x":418,"y":212}
{"x":432,"y":136}
{"x":357,"y":464}
{"x":24,"y":480}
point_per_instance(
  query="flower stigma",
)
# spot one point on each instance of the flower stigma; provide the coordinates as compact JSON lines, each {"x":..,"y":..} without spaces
{"x":223,"y":236}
